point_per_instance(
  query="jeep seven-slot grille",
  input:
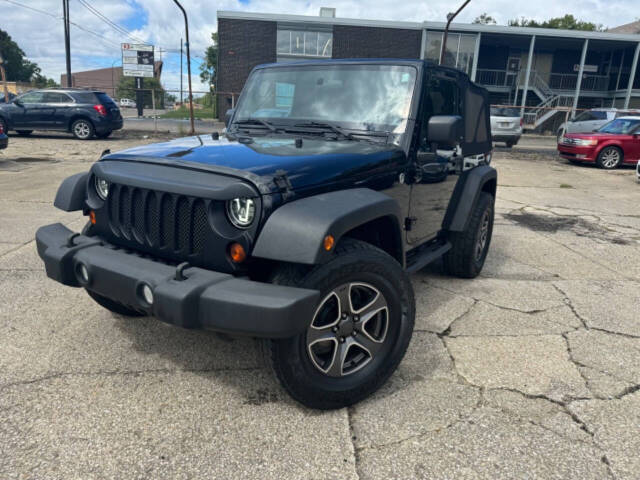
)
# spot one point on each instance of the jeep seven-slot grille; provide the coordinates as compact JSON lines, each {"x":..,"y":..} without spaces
{"x":158,"y":220}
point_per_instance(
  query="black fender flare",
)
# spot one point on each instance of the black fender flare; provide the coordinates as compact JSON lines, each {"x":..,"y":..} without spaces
{"x":465,"y":195}
{"x":72,"y":193}
{"x":295,"y":232}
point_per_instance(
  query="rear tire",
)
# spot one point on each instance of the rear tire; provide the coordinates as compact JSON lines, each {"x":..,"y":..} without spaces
{"x":82,"y":129}
{"x":329,"y":366}
{"x":610,"y":158}
{"x":470,"y":247}
{"x":509,"y":144}
{"x":113,"y":306}
{"x":24,"y":133}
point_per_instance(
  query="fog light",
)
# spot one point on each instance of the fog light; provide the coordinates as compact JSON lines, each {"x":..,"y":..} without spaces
{"x":147,"y":294}
{"x":237,"y":253}
{"x":83,"y":273}
{"x":580,"y":155}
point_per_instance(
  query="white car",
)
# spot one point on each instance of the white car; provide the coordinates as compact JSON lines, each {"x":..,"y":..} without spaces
{"x":506,"y":125}
{"x":127,"y":103}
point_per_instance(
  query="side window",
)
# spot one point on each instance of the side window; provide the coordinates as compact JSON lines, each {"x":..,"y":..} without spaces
{"x":442,"y":97}
{"x":584,"y":117}
{"x":599,"y":115}
{"x":56,"y":97}
{"x":32,"y":97}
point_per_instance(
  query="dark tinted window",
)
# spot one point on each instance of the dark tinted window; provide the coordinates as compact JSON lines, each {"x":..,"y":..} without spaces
{"x":84,"y":97}
{"x":105,"y":99}
{"x":504,"y":112}
{"x":56,"y":97}
{"x":599,"y":115}
{"x":32,"y":97}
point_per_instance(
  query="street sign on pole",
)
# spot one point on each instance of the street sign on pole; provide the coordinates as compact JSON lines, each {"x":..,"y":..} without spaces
{"x":137,"y":60}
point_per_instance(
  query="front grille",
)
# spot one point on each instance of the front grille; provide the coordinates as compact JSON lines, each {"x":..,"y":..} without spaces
{"x":158,"y":220}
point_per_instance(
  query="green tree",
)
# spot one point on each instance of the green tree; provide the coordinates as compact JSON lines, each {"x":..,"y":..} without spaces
{"x":126,"y":88}
{"x":40,"y":81}
{"x":17,"y":67}
{"x":208,"y":69}
{"x":485,"y":19}
{"x":568,"y":22}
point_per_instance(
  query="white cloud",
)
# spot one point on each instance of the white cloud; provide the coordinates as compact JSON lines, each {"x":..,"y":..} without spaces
{"x":41,"y":36}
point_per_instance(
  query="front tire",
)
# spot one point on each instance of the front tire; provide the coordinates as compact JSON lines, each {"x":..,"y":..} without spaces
{"x":470,"y":247}
{"x":359,"y":333}
{"x":610,"y":158}
{"x":114,"y":307}
{"x":82,"y":129}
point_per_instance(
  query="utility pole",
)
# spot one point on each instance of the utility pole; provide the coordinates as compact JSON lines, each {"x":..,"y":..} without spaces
{"x":186,"y":27}
{"x":181,"y":72}
{"x":67,"y":40}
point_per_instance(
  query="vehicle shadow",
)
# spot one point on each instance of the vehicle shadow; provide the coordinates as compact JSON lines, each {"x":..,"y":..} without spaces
{"x":234,"y":361}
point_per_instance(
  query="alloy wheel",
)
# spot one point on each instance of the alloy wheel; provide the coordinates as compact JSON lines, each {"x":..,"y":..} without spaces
{"x":348,"y":329}
{"x":610,"y":158}
{"x":82,"y":129}
{"x":483,"y":235}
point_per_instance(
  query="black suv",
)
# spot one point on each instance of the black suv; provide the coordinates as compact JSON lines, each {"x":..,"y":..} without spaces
{"x":84,"y":113}
{"x":334,"y":181}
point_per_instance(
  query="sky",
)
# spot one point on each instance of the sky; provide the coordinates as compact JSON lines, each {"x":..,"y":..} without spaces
{"x":96,"y":44}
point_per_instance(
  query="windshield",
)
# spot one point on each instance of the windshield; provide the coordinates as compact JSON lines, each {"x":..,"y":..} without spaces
{"x":621,"y":125}
{"x":358,"y":97}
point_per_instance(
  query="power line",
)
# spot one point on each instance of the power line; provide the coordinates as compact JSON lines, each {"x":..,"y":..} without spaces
{"x":112,"y":24}
{"x":103,"y":38}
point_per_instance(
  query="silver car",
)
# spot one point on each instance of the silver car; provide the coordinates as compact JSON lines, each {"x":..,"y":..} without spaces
{"x":591,"y":120}
{"x":506,"y":125}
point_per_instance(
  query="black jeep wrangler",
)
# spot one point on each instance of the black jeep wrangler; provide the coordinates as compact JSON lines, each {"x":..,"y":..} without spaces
{"x":333,"y":182}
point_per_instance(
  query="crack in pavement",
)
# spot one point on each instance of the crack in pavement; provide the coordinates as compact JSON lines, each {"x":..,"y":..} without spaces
{"x":110,"y":373}
{"x":355,"y":452}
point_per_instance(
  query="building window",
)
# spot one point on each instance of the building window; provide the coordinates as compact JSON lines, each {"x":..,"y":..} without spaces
{"x":459,"y":52}
{"x":305,"y":43}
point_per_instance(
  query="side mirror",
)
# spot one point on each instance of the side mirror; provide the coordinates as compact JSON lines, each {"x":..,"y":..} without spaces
{"x":18,"y":102}
{"x":228,"y":116}
{"x":445,"y":129}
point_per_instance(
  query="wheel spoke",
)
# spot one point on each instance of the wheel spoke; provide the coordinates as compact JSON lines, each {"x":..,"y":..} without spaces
{"x":365,"y":341}
{"x":337,"y":364}
{"x":368,"y":312}
{"x":344,"y":295}
{"x":315,"y":335}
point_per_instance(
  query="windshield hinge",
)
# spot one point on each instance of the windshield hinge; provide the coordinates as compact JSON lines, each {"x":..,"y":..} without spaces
{"x":283,"y":183}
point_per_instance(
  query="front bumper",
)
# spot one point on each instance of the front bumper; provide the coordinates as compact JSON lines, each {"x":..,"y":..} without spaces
{"x":201,"y":299}
{"x":506,"y":137}
{"x":583,"y":154}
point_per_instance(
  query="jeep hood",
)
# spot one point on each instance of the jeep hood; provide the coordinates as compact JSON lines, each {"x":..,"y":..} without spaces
{"x":314,"y":162}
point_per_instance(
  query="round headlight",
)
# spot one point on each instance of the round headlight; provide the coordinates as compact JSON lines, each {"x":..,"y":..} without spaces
{"x":102,"y":187}
{"x":241,"y":211}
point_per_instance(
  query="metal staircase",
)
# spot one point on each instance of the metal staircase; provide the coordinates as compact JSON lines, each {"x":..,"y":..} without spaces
{"x":550,"y":105}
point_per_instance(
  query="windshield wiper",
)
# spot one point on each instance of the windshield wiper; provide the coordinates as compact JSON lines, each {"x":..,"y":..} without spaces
{"x":255,"y":122}
{"x":327,"y":125}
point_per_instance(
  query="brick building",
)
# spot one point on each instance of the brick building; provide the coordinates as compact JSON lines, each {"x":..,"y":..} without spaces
{"x":544,"y":70}
{"x":105,"y":79}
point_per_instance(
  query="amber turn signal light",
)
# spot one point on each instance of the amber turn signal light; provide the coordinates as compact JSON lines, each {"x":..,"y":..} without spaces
{"x":92,"y":217}
{"x":237,"y":253}
{"x":329,"y":242}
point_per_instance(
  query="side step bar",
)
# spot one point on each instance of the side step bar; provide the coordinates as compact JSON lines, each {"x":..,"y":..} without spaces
{"x":421,"y":259}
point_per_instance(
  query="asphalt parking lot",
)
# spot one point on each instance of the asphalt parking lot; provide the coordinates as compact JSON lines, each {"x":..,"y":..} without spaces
{"x":530,"y":371}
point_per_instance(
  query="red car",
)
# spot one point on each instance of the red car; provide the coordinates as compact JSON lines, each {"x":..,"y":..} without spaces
{"x":614,"y":144}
